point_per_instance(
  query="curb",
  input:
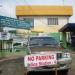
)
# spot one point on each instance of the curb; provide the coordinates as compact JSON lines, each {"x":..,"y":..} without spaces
{"x":11,"y":58}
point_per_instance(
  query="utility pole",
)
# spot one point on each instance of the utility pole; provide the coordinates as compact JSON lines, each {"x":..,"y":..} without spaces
{"x":0,"y":3}
{"x":63,"y":2}
{"x":1,"y":30}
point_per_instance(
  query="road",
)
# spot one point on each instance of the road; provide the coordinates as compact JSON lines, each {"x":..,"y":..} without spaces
{"x":72,"y":70}
{"x":16,"y":67}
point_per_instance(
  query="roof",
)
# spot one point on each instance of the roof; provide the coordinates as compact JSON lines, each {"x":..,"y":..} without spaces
{"x":70,"y":27}
{"x":14,"y":23}
{"x":43,"y":10}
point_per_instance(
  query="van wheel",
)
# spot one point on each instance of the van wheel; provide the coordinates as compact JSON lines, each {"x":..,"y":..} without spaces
{"x":65,"y":72}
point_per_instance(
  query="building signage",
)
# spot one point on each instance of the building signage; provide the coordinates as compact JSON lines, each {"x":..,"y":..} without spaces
{"x":37,"y":60}
{"x":14,"y":23}
{"x":4,"y":36}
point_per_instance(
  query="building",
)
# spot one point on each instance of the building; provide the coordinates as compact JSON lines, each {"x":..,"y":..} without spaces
{"x":70,"y":29}
{"x":9,"y":38}
{"x":45,"y":19}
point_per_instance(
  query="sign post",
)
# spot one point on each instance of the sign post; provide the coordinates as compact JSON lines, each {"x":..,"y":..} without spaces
{"x":56,"y":71}
{"x":37,"y":60}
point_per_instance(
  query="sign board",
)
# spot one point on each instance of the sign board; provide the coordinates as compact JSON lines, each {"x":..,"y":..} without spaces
{"x":4,"y":36}
{"x":14,"y":23}
{"x":36,"y":60}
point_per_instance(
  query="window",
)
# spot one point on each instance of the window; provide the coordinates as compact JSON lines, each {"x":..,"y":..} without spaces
{"x":52,"y":21}
{"x":30,"y":20}
{"x":43,"y":41}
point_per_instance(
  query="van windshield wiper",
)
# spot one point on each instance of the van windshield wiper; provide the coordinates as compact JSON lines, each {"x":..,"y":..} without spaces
{"x":35,"y":45}
{"x":51,"y":45}
{"x":46,"y":44}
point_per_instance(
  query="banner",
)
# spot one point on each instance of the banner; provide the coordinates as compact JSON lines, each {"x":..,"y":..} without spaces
{"x":36,"y":60}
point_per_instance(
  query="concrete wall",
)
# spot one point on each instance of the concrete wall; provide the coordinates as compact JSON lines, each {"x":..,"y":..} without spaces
{"x":12,"y":66}
{"x":41,"y":23}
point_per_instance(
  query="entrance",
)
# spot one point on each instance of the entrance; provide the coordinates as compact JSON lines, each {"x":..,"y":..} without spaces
{"x":73,"y":39}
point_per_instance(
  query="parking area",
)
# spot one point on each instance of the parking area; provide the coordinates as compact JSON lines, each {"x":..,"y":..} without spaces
{"x":16,"y":67}
{"x":72,"y":70}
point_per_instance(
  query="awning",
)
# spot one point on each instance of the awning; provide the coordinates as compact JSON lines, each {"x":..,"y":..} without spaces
{"x":70,"y":27}
{"x":14,"y":23}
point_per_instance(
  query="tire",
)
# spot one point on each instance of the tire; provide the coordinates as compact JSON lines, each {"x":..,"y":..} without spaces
{"x":64,"y":72}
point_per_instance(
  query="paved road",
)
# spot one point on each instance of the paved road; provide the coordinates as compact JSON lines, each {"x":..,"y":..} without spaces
{"x":17,"y":67}
{"x":72,"y":70}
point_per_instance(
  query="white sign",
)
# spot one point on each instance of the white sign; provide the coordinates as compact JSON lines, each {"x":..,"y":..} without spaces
{"x":4,"y":36}
{"x":36,"y":60}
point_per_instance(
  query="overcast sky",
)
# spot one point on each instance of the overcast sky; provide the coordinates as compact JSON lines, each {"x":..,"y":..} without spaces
{"x":7,"y":7}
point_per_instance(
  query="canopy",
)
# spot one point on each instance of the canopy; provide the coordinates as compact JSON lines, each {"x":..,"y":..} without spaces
{"x":14,"y":23}
{"x":70,"y":27}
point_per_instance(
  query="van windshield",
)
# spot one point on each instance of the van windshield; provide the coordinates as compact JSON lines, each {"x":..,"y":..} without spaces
{"x":42,"y":41}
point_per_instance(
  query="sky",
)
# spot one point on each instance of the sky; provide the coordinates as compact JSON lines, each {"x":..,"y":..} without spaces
{"x":7,"y":7}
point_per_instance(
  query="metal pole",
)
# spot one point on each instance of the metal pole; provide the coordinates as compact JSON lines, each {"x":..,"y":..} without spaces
{"x":56,"y":71}
{"x":63,"y":2}
{"x":28,"y":42}
{"x":1,"y":46}
{"x":2,"y":51}
{"x":1,"y":3}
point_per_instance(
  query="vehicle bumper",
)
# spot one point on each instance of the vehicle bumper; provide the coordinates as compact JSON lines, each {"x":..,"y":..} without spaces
{"x":62,"y":65}
{"x":51,"y":69}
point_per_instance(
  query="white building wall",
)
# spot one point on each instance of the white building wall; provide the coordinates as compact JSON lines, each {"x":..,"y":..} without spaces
{"x":41,"y":23}
{"x":63,"y":20}
{"x":42,"y":20}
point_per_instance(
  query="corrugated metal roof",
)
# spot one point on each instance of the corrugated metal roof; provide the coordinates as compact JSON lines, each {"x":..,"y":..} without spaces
{"x":43,"y":10}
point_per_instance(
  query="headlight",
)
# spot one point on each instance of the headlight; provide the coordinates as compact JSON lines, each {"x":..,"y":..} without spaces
{"x":66,"y":55}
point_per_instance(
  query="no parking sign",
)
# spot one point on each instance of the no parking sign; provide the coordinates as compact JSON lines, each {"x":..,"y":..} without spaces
{"x":36,"y":60}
